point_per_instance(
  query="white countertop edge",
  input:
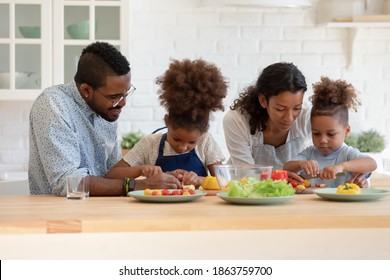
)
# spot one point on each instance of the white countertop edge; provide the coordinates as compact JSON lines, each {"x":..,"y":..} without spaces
{"x":297,"y":244}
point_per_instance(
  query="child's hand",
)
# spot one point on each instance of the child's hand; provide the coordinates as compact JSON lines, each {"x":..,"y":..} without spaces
{"x":178,"y":173}
{"x":186,"y":177}
{"x":191,"y":178}
{"x":330,"y":171}
{"x":150,"y":170}
{"x":310,"y":167}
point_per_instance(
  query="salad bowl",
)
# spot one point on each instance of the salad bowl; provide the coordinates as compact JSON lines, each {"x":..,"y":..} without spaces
{"x":228,"y":172}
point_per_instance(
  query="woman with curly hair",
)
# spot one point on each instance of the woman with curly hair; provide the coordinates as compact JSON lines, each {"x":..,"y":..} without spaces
{"x":329,"y":155}
{"x":190,"y":90}
{"x":268,"y":123}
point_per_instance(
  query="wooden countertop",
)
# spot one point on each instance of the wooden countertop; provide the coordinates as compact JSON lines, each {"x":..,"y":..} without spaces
{"x":50,"y":214}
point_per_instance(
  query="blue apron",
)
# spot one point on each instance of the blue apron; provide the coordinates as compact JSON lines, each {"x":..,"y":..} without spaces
{"x":188,"y":161}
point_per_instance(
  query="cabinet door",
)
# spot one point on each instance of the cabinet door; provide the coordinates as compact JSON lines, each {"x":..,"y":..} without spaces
{"x":79,"y":23}
{"x":25,"y":28}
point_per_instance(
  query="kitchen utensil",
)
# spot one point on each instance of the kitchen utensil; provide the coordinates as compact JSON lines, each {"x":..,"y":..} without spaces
{"x":308,"y":176}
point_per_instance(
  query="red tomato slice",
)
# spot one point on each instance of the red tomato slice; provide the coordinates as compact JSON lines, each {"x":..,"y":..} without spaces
{"x":165,"y":192}
{"x":279,"y":175}
{"x":264,"y":176}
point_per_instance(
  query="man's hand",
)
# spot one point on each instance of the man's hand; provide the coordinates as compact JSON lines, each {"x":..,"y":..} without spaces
{"x":160,"y":181}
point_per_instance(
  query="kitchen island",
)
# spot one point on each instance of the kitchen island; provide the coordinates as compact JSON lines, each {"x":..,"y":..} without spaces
{"x":306,"y":227}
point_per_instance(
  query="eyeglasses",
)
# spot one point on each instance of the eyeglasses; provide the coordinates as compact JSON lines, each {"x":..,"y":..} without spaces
{"x":117,"y":98}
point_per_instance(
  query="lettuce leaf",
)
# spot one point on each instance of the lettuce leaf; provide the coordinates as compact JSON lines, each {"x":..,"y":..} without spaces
{"x":252,"y":187}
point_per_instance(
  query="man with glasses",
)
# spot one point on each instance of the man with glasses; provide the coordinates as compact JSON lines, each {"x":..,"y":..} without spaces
{"x":73,"y":127}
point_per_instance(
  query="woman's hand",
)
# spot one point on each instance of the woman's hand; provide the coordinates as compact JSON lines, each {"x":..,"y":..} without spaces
{"x":294,"y":178}
{"x":360,"y":180}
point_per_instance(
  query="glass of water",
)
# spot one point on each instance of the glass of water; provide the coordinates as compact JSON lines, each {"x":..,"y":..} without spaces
{"x":77,"y":187}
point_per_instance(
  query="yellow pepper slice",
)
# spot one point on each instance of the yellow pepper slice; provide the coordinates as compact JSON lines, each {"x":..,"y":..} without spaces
{"x":210,"y":183}
{"x":348,"y":188}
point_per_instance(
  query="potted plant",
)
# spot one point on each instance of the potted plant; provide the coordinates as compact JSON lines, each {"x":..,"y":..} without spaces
{"x":129,"y":140}
{"x":351,"y":140}
{"x":369,"y":142}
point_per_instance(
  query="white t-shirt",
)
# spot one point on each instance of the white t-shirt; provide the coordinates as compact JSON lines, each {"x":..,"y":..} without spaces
{"x":145,"y":152}
{"x":245,"y":148}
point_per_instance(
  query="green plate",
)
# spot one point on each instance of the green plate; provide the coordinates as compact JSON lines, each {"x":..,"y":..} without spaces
{"x":166,"y":198}
{"x":255,"y":200}
{"x":365,"y":195}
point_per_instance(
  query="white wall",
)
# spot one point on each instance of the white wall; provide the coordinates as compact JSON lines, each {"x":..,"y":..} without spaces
{"x":241,"y":41}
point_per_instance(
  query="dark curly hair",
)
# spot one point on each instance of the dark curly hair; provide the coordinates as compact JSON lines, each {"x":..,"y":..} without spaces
{"x":190,"y":90}
{"x":97,"y":61}
{"x":333,"y":98}
{"x":275,"y":78}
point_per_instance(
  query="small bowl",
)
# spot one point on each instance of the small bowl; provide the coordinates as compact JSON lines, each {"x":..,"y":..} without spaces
{"x":79,"y":30}
{"x":227,"y":172}
{"x":20,"y":79}
{"x":30,"y":31}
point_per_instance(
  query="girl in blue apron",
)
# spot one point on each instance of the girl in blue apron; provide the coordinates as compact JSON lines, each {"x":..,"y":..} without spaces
{"x":187,"y":161}
{"x":190,"y":90}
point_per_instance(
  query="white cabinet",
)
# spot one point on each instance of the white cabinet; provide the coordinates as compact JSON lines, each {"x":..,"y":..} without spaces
{"x":25,"y":33}
{"x":41,"y":40}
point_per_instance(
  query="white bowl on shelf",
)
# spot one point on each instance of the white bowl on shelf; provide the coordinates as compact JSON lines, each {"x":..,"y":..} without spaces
{"x":20,"y":79}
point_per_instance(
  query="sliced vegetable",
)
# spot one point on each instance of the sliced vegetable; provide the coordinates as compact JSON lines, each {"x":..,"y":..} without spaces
{"x":255,"y":188}
{"x":210,"y":183}
{"x":279,"y":175}
{"x":348,"y":188}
